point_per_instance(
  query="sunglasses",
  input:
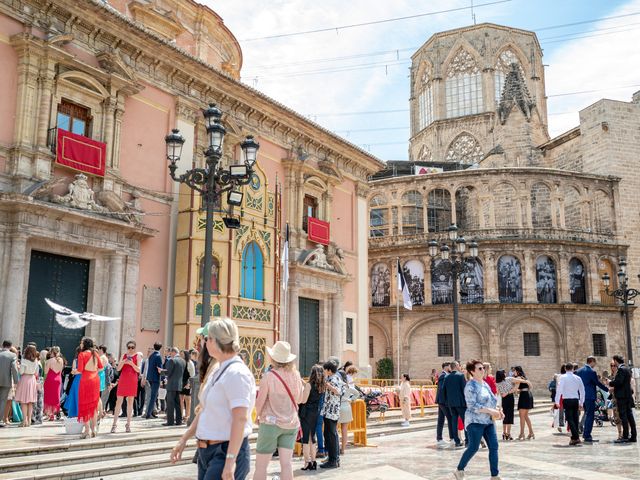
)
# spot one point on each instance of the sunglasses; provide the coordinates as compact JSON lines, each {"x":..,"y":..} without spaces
{"x":130,"y":347}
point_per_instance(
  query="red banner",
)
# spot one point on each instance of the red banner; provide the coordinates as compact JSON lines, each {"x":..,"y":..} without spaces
{"x":318,"y":231}
{"x":81,"y":153}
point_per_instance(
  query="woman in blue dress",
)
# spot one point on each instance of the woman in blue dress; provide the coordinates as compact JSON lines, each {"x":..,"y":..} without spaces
{"x":71,"y":403}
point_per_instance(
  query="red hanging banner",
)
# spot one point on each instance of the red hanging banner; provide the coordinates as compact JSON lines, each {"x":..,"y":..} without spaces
{"x":81,"y":153}
{"x":318,"y":231}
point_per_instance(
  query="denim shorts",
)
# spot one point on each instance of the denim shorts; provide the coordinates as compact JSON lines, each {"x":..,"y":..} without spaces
{"x":271,"y":437}
{"x":211,"y":461}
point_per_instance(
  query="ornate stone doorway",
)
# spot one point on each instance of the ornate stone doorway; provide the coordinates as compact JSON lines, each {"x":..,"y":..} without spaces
{"x":65,"y":280}
{"x":309,"y":353}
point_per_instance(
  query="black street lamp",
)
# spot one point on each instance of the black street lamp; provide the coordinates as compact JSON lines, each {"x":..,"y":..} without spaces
{"x":624,"y":293}
{"x":458,"y":264}
{"x":212,"y":181}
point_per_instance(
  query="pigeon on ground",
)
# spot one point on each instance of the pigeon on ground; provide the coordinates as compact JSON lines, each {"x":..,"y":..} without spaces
{"x":70,"y":319}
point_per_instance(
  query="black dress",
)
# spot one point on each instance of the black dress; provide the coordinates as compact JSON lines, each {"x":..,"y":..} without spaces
{"x":525,"y":400}
{"x":309,"y":414}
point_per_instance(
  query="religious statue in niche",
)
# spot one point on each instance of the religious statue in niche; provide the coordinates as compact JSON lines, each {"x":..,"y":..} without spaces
{"x":79,"y":196}
{"x":380,"y":286}
{"x":215,"y":269}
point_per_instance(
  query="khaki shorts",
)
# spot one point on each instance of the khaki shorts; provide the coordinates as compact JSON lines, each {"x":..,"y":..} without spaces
{"x":271,"y":437}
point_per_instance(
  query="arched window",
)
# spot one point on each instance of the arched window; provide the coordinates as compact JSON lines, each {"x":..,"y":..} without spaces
{"x":472,"y":282}
{"x":414,"y":273}
{"x":540,"y":206}
{"x":464,"y":149}
{"x":605,"y":266}
{"x":577,"y":285}
{"x":425,"y":100}
{"x":509,"y":280}
{"x":378,"y":217}
{"x":546,"y":285}
{"x":380,"y":286}
{"x":438,"y":210}
{"x":252,"y":272}
{"x":503,"y":65}
{"x":463,"y":87}
{"x":441,"y":282}
{"x":215,"y":275}
{"x":505,"y":205}
{"x":604,"y":213}
{"x":572,"y":208}
{"x":412,"y":213}
{"x":466,"y":209}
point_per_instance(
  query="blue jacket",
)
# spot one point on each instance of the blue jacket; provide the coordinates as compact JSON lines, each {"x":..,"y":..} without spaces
{"x":439,"y":392}
{"x":155,"y":361}
{"x":590,"y":380}
{"x":453,"y":390}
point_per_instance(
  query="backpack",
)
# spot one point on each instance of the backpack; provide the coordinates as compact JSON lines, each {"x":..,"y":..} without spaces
{"x":552,"y":385}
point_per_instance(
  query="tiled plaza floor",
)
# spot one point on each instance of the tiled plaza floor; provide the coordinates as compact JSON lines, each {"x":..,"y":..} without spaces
{"x":413,"y":456}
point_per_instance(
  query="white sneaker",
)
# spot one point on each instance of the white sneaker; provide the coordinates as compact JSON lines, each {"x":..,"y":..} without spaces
{"x":442,"y":444}
{"x":458,"y":474}
{"x":405,"y":423}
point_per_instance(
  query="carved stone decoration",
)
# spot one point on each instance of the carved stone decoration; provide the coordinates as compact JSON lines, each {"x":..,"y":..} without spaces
{"x":515,"y":93}
{"x":316,"y":258}
{"x":79,"y":196}
{"x":335,"y":258}
{"x":425,"y":155}
{"x":60,"y":39}
{"x":462,"y":63}
{"x":112,"y":63}
{"x":118,"y":208}
{"x":329,"y":167}
{"x":43,"y":190}
{"x":464,"y":149}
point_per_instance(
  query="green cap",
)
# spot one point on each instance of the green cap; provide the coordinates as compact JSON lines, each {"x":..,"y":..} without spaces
{"x":203,"y":330}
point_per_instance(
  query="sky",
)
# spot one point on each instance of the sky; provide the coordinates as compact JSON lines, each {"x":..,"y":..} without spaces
{"x":353,"y":79}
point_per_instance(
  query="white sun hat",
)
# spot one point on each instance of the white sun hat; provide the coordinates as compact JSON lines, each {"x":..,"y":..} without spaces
{"x":281,"y":352}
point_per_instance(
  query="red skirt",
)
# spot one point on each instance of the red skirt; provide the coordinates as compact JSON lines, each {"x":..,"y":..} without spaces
{"x":88,"y":395}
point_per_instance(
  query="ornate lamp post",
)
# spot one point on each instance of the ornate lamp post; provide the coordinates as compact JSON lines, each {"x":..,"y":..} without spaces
{"x":624,"y":293}
{"x":212,"y":181}
{"x":457,"y":264}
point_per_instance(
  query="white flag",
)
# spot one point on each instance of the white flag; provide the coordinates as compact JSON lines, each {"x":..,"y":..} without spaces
{"x":285,"y":260}
{"x":404,"y":288}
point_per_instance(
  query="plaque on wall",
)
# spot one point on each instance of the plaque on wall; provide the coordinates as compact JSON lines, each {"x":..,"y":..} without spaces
{"x":151,"y":308}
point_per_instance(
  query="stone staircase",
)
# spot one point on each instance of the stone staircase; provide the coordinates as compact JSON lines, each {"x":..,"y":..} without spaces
{"x":51,"y":455}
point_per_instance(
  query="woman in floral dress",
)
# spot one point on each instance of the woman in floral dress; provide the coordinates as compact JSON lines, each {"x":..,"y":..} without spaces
{"x":334,"y":390}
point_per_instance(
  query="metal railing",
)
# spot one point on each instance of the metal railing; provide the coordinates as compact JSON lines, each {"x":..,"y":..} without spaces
{"x":52,"y":138}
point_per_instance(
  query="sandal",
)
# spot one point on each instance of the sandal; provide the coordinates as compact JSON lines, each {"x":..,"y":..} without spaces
{"x":113,"y":428}
{"x":127,"y":428}
{"x":84,"y":435}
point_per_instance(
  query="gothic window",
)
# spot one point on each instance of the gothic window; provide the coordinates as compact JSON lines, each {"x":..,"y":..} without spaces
{"x":464,"y":149}
{"x":463,"y":87}
{"x":74,"y":118}
{"x":604,"y":213}
{"x":540,"y":206}
{"x":505,"y":202}
{"x":503,"y":65}
{"x":466,"y":209}
{"x":509,"y":280}
{"x":414,"y":273}
{"x":472,"y":282}
{"x":378,"y":217}
{"x":425,"y":101}
{"x":412,"y":219}
{"x":215,"y":275}
{"x":380,"y":286}
{"x":572,"y":208}
{"x":546,"y":280}
{"x":577,"y":286}
{"x":252,"y":272}
{"x":439,"y":210}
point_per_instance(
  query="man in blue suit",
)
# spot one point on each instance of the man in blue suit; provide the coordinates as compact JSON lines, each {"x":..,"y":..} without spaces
{"x":453,"y":392}
{"x":590,"y":380}
{"x":443,"y":410}
{"x":153,"y":377}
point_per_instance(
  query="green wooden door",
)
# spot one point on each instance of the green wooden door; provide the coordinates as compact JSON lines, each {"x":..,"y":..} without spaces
{"x":64,"y":280}
{"x":309,"y":354}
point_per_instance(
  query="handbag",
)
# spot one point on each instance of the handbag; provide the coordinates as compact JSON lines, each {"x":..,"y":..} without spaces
{"x":299,"y":436}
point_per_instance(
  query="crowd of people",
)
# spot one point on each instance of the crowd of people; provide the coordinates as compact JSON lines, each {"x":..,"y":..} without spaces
{"x":42,"y":386}
{"x":470,"y":401}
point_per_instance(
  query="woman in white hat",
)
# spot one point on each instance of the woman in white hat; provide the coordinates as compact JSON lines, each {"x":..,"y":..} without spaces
{"x":223,"y":424}
{"x":277,"y":412}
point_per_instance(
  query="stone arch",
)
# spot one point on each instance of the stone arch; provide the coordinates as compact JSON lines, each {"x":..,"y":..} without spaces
{"x":316,"y":182}
{"x":85,"y":81}
{"x":573,"y":214}
{"x":412,"y":204}
{"x":464,"y":148}
{"x":420,"y":344}
{"x":501,"y":63}
{"x":537,"y":368}
{"x":603,"y":212}
{"x":381,"y":340}
{"x":438,"y":209}
{"x":460,"y":45}
{"x":378,"y":200}
{"x":505,"y":197}
{"x":467,"y":211}
{"x":517,"y":51}
{"x":378,"y":216}
{"x":540,"y":205}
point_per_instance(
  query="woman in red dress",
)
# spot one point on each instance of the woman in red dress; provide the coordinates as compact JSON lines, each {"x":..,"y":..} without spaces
{"x":129,"y":368}
{"x":89,"y":389}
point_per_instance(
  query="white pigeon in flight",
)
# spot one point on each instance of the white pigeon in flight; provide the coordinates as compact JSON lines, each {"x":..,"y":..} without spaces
{"x":70,"y":319}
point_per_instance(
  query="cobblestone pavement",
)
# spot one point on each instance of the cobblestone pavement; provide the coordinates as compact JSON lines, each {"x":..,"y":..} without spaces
{"x":414,"y":456}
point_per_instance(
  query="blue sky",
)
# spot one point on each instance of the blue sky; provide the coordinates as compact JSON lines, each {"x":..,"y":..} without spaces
{"x":309,"y":72}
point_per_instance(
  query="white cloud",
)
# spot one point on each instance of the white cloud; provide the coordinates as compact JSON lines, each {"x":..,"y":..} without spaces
{"x":601,"y":62}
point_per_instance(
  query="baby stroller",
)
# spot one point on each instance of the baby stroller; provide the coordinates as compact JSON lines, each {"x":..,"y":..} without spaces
{"x":374,"y":401}
{"x":601,"y":414}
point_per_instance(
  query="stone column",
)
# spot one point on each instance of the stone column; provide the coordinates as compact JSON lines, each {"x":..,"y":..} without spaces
{"x":46,"y":90}
{"x":107,"y":133}
{"x":337,"y":345}
{"x":15,"y":283}
{"x":427,"y":280}
{"x":529,"y":294}
{"x":562,"y":279}
{"x":490,"y":282}
{"x":115,"y":292}
{"x":593,"y":282}
{"x":293,"y":321}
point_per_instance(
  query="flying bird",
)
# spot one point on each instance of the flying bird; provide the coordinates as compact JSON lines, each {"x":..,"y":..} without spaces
{"x":70,"y":319}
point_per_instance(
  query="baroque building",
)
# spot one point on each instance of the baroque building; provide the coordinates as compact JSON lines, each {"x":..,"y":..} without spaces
{"x":545,"y":212}
{"x":91,"y":219}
